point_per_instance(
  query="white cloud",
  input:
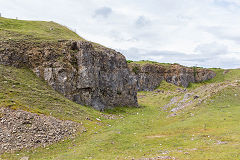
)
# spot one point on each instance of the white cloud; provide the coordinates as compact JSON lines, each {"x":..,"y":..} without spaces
{"x":160,"y":30}
{"x":211,"y":49}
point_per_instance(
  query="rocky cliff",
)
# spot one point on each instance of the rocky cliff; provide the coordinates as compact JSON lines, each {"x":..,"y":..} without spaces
{"x":87,"y":74}
{"x":149,"y":76}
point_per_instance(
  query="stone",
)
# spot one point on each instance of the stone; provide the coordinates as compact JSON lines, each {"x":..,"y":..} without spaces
{"x":196,"y":97}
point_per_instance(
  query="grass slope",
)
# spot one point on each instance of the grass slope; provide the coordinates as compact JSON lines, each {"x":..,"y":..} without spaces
{"x":12,"y":29}
{"x":207,"y":131}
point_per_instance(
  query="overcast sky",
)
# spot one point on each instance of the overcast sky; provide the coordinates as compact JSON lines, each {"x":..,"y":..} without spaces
{"x":190,"y":32}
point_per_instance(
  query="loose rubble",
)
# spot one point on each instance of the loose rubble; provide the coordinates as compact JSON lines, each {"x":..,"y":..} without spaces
{"x":20,"y":129}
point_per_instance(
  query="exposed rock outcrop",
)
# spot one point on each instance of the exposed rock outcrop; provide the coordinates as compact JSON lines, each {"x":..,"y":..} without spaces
{"x":149,"y":76}
{"x":196,"y":97}
{"x":88,"y":75}
{"x":20,"y":129}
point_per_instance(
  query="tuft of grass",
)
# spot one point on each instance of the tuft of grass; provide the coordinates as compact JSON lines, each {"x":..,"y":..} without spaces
{"x":129,"y":61}
{"x":135,"y":69}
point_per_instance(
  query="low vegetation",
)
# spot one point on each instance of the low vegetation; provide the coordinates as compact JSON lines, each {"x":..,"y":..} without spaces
{"x":143,"y":62}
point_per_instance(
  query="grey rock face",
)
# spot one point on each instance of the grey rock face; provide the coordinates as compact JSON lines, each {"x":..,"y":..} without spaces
{"x":150,"y":76}
{"x":95,"y":76}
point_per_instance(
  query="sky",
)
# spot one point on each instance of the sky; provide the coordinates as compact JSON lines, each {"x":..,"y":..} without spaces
{"x":190,"y":32}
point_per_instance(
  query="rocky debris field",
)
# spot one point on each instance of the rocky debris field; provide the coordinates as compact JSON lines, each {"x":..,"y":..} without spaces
{"x":20,"y":129}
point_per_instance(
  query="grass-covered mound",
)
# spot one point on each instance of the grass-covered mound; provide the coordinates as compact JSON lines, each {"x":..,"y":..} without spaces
{"x":12,"y":29}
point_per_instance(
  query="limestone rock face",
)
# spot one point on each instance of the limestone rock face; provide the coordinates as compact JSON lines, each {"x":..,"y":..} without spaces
{"x":149,"y":76}
{"x":94,"y":76}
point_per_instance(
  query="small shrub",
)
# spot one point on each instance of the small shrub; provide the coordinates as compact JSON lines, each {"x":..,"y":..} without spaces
{"x":129,"y":61}
{"x":119,"y":92}
{"x":135,"y":69}
{"x":195,"y":72}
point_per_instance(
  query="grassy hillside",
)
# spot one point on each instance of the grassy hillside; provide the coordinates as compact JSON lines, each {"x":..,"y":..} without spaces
{"x":208,"y":130}
{"x":199,"y":123}
{"x":34,"y":30}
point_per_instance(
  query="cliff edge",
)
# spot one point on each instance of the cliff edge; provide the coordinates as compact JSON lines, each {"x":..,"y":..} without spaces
{"x":150,"y":75}
{"x":84,"y":72}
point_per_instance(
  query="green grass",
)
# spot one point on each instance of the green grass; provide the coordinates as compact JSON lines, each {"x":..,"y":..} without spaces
{"x":144,"y":62}
{"x":167,"y":86}
{"x":12,"y":29}
{"x":137,"y":132}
